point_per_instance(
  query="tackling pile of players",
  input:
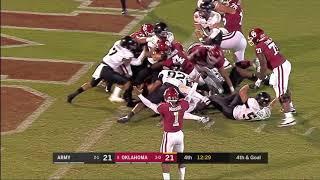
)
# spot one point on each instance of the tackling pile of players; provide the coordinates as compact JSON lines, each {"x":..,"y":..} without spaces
{"x":176,"y":82}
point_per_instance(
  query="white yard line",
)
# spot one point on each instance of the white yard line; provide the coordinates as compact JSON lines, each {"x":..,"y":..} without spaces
{"x":309,"y":131}
{"x":62,"y":30}
{"x":126,"y":30}
{"x":28,"y":42}
{"x":137,"y":19}
{"x":31,"y":118}
{"x":94,"y":136}
{"x":85,"y":5}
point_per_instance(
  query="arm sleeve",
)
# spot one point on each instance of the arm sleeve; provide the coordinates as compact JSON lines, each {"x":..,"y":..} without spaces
{"x":149,"y":104}
{"x":138,"y":61}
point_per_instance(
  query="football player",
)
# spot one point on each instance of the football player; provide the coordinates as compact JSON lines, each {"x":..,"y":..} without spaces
{"x":161,"y":32}
{"x":234,"y":41}
{"x":209,"y":57}
{"x":139,"y":72}
{"x":172,"y":112}
{"x":119,"y":56}
{"x":205,"y":19}
{"x":270,"y":58}
{"x":240,"y":106}
{"x":170,"y":78}
{"x":233,"y":22}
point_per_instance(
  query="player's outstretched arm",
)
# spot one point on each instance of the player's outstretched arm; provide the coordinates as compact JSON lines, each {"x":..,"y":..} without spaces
{"x":148,"y":103}
{"x":225,"y":75}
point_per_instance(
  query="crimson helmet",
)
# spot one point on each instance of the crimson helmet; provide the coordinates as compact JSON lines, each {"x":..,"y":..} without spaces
{"x":255,"y":36}
{"x":171,"y":95}
{"x":147,"y":29}
{"x":163,"y":47}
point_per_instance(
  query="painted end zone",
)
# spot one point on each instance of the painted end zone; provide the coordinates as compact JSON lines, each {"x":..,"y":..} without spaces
{"x":16,"y":105}
{"x":131,"y":4}
{"x":38,"y":70}
{"x":94,"y":22}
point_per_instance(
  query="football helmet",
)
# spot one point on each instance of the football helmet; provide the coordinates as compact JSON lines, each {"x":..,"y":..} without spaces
{"x":263,"y":99}
{"x":171,"y":95}
{"x":128,"y":42}
{"x":163,"y":47}
{"x":147,"y":29}
{"x":200,"y":2}
{"x":255,"y":36}
{"x":161,"y":29}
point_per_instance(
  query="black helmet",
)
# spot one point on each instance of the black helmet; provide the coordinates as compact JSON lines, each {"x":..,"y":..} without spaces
{"x":263,"y":99}
{"x":206,"y":5}
{"x":161,"y":29}
{"x":128,"y":42}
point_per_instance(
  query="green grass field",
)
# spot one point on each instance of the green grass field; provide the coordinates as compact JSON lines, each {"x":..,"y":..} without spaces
{"x":64,"y":127}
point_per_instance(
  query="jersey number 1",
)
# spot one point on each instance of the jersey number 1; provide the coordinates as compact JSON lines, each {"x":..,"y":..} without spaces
{"x":176,"y":119}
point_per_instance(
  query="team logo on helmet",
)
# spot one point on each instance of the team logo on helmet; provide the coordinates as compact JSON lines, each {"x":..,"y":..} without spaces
{"x":171,"y":95}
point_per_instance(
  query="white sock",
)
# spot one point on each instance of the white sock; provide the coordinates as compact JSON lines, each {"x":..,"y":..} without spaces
{"x":182,"y":172}
{"x":166,"y":176}
{"x":291,"y":105}
{"x":116,"y":92}
{"x":288,"y":115}
{"x":191,"y":116}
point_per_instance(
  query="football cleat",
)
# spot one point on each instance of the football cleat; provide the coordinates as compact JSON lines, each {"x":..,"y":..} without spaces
{"x":290,"y":121}
{"x":123,"y":119}
{"x":124,"y":12}
{"x":115,"y":99}
{"x":204,"y":119}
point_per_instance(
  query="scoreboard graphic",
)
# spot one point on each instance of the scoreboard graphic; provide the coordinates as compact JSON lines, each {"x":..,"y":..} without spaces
{"x":155,"y":157}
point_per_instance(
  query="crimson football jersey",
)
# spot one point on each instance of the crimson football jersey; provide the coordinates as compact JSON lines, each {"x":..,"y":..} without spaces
{"x":233,"y":22}
{"x":178,"y":58}
{"x":173,"y":116}
{"x":270,"y":50}
{"x":201,"y":53}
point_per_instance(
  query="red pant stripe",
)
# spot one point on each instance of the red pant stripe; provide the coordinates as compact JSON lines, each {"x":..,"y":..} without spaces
{"x":279,"y":89}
